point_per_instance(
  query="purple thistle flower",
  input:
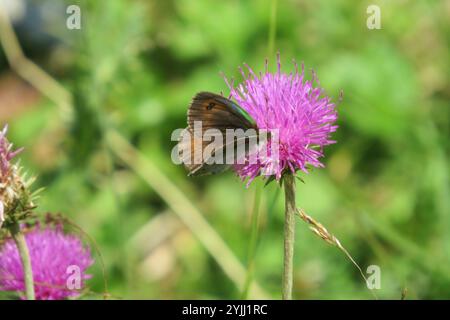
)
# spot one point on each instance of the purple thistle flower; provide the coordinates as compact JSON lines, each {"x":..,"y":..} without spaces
{"x":296,"y":107}
{"x":54,"y":257}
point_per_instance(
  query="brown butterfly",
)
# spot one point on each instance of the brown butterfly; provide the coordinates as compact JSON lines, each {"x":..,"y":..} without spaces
{"x":215,"y":112}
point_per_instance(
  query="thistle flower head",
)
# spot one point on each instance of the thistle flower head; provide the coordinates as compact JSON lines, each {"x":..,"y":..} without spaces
{"x":6,"y":154}
{"x":58,"y":261}
{"x":12,"y":186}
{"x":298,"y":108}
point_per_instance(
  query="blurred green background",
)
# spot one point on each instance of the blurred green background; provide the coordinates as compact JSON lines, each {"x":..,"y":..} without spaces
{"x":134,"y":66}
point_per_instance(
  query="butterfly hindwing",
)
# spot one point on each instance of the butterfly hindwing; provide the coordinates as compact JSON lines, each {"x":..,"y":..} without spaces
{"x":190,"y":151}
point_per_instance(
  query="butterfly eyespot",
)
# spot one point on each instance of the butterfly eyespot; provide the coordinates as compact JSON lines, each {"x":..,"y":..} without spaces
{"x":210,"y":105}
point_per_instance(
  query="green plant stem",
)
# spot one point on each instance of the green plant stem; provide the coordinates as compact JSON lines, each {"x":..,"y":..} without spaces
{"x":256,"y":215}
{"x":289,"y":235}
{"x":21,"y":244}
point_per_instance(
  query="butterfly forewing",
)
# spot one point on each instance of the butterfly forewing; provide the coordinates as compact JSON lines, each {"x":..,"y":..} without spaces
{"x":215,"y":111}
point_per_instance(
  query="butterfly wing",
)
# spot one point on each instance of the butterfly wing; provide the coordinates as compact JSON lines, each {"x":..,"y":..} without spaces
{"x":215,"y":111}
{"x":190,"y":152}
{"x":198,"y":166}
